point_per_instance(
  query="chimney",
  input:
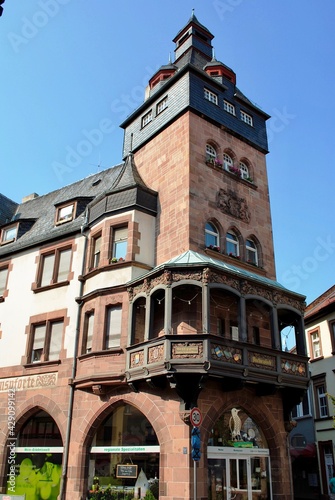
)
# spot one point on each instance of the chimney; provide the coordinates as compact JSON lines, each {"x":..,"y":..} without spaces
{"x":29,"y":197}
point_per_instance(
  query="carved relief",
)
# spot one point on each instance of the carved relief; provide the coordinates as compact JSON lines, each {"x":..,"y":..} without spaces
{"x":136,"y":359}
{"x":156,"y":353}
{"x":229,"y":203}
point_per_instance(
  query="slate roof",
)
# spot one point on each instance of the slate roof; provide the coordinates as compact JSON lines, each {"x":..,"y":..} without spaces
{"x":41,"y":210}
{"x":321,"y":305}
{"x":7,"y":209}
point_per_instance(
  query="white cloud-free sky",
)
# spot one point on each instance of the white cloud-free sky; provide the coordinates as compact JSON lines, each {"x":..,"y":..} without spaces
{"x":72,"y":70}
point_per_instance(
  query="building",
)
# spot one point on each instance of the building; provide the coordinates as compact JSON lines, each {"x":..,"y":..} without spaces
{"x":144,"y":291}
{"x":320,"y":337}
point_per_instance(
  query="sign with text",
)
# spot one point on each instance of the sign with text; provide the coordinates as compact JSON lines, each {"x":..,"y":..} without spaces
{"x":126,"y":470}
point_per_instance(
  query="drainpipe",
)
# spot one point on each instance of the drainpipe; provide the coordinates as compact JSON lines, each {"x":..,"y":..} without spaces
{"x":61,"y":495}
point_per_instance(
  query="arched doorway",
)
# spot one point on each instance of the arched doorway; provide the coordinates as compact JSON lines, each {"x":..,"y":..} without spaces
{"x":124,"y":457}
{"x":238,"y":459}
{"x":35,"y":467}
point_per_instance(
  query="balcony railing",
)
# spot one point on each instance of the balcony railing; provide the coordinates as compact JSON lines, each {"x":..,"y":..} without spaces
{"x":218,"y":357}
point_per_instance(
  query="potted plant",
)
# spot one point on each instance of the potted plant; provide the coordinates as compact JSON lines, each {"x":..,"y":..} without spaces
{"x":235,"y":170}
{"x":214,"y":248}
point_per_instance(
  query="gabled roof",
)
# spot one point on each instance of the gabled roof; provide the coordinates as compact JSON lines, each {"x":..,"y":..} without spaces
{"x":193,"y":20}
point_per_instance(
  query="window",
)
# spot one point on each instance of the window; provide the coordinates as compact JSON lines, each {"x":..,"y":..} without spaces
{"x":3,"y":279}
{"x":332,"y":335}
{"x":65,"y":213}
{"x":113,"y":326}
{"x":210,"y":96}
{"x":227,"y":162}
{"x":147,"y":118}
{"x":246,"y":118}
{"x":120,"y":243}
{"x":47,"y":341}
{"x":321,"y":400}
{"x":244,"y":170}
{"x":303,"y":408}
{"x":234,"y":331}
{"x":9,"y":234}
{"x":251,"y":252}
{"x":161,"y":105}
{"x":315,"y":344}
{"x":88,"y":331}
{"x":211,"y":236}
{"x":55,"y":267}
{"x":232,"y":245}
{"x":230,"y":108}
{"x":96,"y":248}
{"x":210,"y":152}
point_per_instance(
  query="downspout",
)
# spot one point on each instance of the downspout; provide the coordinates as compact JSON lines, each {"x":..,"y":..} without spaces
{"x":61,"y":495}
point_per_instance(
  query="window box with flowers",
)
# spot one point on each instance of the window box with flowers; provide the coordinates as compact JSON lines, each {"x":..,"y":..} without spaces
{"x":213,"y":162}
{"x":235,"y":170}
{"x":234,"y":256}
{"x":114,"y":260}
{"x":214,"y":248}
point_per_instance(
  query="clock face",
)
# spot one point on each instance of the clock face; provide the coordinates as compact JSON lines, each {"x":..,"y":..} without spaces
{"x":196,"y":417}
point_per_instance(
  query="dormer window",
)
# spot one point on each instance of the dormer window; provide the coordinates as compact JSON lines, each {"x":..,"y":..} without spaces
{"x":246,"y":118}
{"x":9,"y":234}
{"x":147,"y":118}
{"x":230,"y":108}
{"x":210,"y":96}
{"x":65,"y":213}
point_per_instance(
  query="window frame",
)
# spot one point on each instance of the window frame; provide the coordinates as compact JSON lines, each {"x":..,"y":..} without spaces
{"x":56,"y":253}
{"x":246,"y":118}
{"x":109,"y":335}
{"x":4,"y":266}
{"x":115,"y":243}
{"x":211,"y":96}
{"x":331,"y":326}
{"x":95,"y":256}
{"x":312,"y":343}
{"x":62,"y":220}
{"x":245,"y":171}
{"x":161,"y":105}
{"x":228,"y":162}
{"x":146,"y":119}
{"x":88,"y":332}
{"x":319,"y":382}
{"x":4,"y":232}
{"x":45,"y":351}
{"x":212,"y":232}
{"x":251,"y":250}
{"x":229,"y":107}
{"x":299,"y":410}
{"x":232,"y":241}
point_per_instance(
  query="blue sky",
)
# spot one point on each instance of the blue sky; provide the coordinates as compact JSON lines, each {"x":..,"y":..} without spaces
{"x":73,"y":70}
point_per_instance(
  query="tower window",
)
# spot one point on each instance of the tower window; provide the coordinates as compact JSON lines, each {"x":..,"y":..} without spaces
{"x":210,"y":96}
{"x":246,"y":118}
{"x":211,"y":236}
{"x":244,"y":170}
{"x":251,"y":251}
{"x":161,"y":105}
{"x":147,"y":118}
{"x":227,"y":162}
{"x":232,"y":245}
{"x":230,"y":108}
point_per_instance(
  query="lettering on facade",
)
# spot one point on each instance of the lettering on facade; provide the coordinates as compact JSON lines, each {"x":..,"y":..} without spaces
{"x":262,"y":360}
{"x":28,"y":382}
{"x":186,"y":349}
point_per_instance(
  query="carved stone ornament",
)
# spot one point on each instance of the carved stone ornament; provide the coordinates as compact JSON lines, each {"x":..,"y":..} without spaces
{"x":229,"y":203}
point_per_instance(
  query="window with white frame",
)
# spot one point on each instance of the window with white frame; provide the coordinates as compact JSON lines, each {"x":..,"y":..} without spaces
{"x":113,"y":326}
{"x":246,"y":118}
{"x":161,"y":105}
{"x":232,"y":244}
{"x":211,"y":236}
{"x":244,"y":170}
{"x":147,"y":118}
{"x":120,"y":243}
{"x":230,"y":108}
{"x":46,"y":341}
{"x":88,"y":331}
{"x":321,"y":400}
{"x":9,"y":234}
{"x":315,"y":344}
{"x":54,"y":266}
{"x":210,"y":152}
{"x":251,"y":252}
{"x":210,"y":96}
{"x":227,"y":161}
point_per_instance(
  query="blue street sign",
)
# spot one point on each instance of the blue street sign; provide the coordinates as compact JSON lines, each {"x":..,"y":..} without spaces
{"x":195,"y":444}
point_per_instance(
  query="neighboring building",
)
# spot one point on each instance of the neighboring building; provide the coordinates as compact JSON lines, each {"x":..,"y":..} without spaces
{"x":320,"y":336}
{"x":144,"y":291}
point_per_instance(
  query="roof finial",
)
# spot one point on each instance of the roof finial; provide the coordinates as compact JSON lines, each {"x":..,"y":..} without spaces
{"x":170,"y":58}
{"x":193,"y":14}
{"x":213,"y":55}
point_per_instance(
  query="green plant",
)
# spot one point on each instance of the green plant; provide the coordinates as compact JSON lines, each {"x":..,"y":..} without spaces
{"x":149,"y":496}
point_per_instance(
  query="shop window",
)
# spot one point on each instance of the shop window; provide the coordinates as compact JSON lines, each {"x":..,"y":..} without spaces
{"x":46,"y":341}
{"x":65,"y":213}
{"x":211,"y":236}
{"x":113,"y":326}
{"x":232,"y":245}
{"x":120,"y":243}
{"x":54,"y":267}
{"x":88,"y":332}
{"x":9,"y":234}
{"x":131,"y":467}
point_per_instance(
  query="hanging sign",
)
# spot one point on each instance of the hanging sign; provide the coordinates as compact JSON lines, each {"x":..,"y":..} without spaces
{"x":126,"y":470}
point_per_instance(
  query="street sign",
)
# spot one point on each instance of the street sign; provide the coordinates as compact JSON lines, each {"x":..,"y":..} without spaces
{"x":195,"y":417}
{"x":195,"y":444}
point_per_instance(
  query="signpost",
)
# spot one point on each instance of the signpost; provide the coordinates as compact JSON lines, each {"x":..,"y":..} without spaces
{"x":196,"y":419}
